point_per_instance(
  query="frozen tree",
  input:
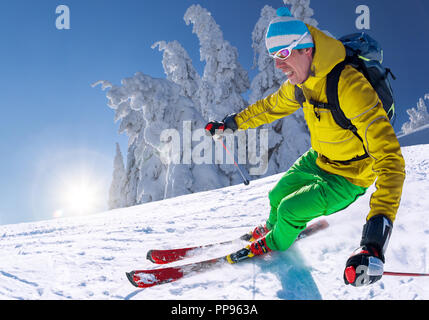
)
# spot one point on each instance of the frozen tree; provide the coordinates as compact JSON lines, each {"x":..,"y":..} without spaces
{"x":148,"y":108}
{"x":117,"y":188}
{"x":224,"y":79}
{"x":418,"y":116}
{"x":179,"y":69}
{"x":301,"y":9}
{"x":131,"y":123}
{"x":133,"y":177}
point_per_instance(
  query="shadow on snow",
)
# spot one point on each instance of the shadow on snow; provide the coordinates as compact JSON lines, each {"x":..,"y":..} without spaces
{"x":295,"y":277}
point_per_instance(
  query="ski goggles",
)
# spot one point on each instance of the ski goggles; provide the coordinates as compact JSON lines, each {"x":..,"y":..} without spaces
{"x":285,"y":53}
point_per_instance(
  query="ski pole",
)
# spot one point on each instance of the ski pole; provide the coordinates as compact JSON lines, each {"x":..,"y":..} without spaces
{"x":405,"y":274}
{"x":240,"y":170}
{"x":218,"y":137}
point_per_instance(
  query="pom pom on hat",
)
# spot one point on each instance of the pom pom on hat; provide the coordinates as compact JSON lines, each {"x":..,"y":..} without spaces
{"x":283,"y":12}
{"x":285,"y":29}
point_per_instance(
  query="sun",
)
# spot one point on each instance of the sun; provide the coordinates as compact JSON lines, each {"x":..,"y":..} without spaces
{"x":80,"y":195}
{"x":80,"y":198}
{"x":69,"y":182}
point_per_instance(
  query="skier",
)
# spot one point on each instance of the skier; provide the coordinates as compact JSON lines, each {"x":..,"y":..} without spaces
{"x":340,"y":165}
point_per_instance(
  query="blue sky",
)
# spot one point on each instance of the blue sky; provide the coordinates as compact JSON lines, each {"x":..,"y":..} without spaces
{"x":55,"y":125}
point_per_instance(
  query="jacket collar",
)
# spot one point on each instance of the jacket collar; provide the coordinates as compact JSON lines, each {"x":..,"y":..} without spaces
{"x":329,"y":52}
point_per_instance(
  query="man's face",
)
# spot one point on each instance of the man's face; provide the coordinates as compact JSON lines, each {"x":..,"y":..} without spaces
{"x":297,"y":66}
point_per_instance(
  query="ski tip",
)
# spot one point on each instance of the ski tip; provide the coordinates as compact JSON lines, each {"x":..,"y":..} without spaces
{"x":130,"y":277}
{"x":246,"y":237}
{"x":149,"y":256}
{"x":324,"y":223}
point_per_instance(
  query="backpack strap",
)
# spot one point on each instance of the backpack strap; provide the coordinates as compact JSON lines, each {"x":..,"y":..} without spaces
{"x":333,"y":100}
{"x":299,"y":96}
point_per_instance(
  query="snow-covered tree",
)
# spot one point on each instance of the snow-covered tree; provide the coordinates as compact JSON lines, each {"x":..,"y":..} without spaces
{"x":117,"y":187}
{"x":131,"y":123}
{"x":147,"y":108}
{"x":301,"y":10}
{"x":133,"y":177}
{"x":179,"y":69}
{"x":417,"y":116}
{"x":224,"y":79}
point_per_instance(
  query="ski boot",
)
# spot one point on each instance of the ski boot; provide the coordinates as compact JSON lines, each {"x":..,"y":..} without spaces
{"x":256,"y":248}
{"x":259,"y":232}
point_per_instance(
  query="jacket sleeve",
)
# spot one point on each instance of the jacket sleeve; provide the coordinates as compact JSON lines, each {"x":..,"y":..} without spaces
{"x":365,"y":110}
{"x":275,"y":106}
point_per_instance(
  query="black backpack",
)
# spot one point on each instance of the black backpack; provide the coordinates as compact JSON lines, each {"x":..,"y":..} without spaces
{"x":365,"y":55}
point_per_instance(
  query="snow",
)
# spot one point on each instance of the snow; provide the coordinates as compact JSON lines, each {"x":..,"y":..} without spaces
{"x":86,"y":257}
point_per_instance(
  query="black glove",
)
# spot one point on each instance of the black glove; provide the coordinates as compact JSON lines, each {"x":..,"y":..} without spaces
{"x":218,"y":127}
{"x":366,"y":265}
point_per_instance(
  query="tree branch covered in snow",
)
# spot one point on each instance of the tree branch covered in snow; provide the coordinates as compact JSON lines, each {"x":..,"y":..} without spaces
{"x":224,"y":79}
{"x":178,"y":68}
{"x":301,"y":10}
{"x":418,"y":116}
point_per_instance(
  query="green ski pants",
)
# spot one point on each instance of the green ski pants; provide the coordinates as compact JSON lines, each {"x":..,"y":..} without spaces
{"x":304,"y":193}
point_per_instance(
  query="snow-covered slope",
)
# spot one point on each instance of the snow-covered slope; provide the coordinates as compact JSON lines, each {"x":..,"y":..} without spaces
{"x":87,"y":257}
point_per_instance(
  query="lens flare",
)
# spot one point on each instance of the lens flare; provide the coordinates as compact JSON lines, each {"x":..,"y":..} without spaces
{"x":70,"y":182}
{"x":80,"y":196}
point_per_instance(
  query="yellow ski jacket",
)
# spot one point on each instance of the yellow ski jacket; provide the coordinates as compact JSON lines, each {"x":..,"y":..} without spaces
{"x":360,"y":103}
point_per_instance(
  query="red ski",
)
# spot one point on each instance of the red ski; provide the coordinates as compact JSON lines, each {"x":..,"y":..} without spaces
{"x":150,"y":278}
{"x":153,"y":277}
{"x":172,"y":255}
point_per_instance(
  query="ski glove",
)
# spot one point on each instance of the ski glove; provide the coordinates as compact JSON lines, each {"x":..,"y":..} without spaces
{"x":363,"y":267}
{"x":218,"y":127}
{"x":366,"y":265}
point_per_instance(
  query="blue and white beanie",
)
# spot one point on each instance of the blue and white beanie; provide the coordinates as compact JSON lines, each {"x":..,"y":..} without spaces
{"x":285,"y":29}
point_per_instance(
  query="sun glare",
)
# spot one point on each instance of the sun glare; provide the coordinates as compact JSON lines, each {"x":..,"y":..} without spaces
{"x":70,"y":182}
{"x":80,"y":196}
